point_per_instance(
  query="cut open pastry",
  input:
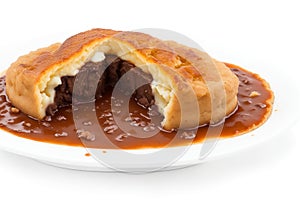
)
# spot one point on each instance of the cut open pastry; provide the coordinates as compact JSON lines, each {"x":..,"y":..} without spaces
{"x":187,"y":85}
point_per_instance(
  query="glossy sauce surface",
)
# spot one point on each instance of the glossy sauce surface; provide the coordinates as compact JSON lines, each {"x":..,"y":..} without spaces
{"x":103,"y":124}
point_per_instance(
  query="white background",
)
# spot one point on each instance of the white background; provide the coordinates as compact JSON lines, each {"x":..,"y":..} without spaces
{"x":264,"y":34}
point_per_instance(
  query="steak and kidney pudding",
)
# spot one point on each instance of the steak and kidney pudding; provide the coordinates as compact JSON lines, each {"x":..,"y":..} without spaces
{"x":170,"y":87}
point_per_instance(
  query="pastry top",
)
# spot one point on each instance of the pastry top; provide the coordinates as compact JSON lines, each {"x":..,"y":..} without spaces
{"x":184,"y":79}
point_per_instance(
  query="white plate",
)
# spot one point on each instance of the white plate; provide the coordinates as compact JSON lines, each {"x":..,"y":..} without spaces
{"x":285,"y":113}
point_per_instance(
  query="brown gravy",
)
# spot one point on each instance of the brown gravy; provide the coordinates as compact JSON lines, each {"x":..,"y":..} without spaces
{"x":253,"y":106}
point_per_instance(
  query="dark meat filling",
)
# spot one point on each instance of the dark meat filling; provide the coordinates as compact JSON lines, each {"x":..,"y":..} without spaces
{"x":105,"y":74}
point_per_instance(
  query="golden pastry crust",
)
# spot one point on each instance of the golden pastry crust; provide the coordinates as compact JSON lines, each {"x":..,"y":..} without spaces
{"x":186,"y":80}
